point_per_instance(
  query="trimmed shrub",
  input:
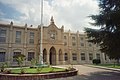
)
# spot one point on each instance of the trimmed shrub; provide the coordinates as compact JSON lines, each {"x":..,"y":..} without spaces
{"x":96,"y":61}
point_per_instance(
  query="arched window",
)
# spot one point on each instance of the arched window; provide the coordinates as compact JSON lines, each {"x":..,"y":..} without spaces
{"x":2,"y":54}
{"x":44,"y":55}
{"x":16,"y":52}
{"x":98,"y":56}
{"x":60,"y":55}
{"x":66,"y":56}
{"x":90,"y":56}
{"x":82,"y":56}
{"x":31,"y":55}
{"x":74,"y":56}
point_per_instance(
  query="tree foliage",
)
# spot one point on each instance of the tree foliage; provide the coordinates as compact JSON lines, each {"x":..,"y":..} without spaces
{"x":108,"y":34}
{"x":19,"y":58}
{"x":33,"y":62}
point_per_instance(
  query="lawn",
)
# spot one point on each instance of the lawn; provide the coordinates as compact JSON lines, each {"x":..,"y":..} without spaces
{"x":37,"y":70}
{"x":117,"y":66}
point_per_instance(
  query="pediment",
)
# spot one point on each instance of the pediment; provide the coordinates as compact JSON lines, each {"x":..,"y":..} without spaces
{"x":53,"y":27}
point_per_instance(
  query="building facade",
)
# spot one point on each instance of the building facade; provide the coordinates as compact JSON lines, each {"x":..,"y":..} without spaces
{"x":59,"y":47}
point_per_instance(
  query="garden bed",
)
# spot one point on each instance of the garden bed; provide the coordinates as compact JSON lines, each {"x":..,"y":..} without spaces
{"x":39,"y":76}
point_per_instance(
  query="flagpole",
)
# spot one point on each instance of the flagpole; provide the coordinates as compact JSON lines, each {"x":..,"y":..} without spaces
{"x":41,"y":51}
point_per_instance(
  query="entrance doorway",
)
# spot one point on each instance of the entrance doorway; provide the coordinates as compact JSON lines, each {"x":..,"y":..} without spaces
{"x":52,"y":57}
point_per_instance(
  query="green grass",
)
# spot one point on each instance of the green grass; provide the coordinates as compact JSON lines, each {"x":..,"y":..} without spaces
{"x":35,"y":70}
{"x":117,"y":66}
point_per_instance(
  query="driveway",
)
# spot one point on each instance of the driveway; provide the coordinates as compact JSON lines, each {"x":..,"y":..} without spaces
{"x":91,"y":73}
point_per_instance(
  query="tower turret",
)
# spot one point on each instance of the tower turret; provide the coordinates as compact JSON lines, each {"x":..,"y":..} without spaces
{"x":52,"y":20}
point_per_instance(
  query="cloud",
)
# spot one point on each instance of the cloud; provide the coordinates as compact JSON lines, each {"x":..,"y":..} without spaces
{"x":70,"y":13}
{"x":74,"y":13}
{"x":1,"y":13}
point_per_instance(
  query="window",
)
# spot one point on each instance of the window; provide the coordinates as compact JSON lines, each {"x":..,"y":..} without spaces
{"x":82,"y":56}
{"x":65,"y":43}
{"x":44,"y":55}
{"x":98,"y":56}
{"x":82,"y":44}
{"x":73,"y":43}
{"x":60,"y":55}
{"x":2,"y":35}
{"x":2,"y":56}
{"x":16,"y":53}
{"x":74,"y":56}
{"x":66,"y":56}
{"x":31,"y":56}
{"x":73,"y":38}
{"x":31,"y":40}
{"x":65,"y":37}
{"x":90,"y":56}
{"x":18,"y":37}
{"x":81,"y":38}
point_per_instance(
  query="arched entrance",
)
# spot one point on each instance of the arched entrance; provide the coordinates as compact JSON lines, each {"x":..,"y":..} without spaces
{"x":44,"y":55}
{"x":52,"y":57}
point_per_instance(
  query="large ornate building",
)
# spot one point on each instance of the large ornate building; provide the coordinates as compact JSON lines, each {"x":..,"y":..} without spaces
{"x":59,"y":47}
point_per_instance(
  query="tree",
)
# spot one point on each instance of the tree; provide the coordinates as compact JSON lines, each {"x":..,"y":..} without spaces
{"x":108,"y":34}
{"x":19,"y":58}
{"x":33,"y":62}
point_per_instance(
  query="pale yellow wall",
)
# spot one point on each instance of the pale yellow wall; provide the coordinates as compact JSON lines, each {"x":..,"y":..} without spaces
{"x":10,"y":46}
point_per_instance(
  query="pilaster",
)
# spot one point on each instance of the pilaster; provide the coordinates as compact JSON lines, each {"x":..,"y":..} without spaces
{"x":25,"y":36}
{"x":9,"y":56}
{"x":57,"y":58}
{"x":11,"y":34}
{"x":87,"y":57}
{"x":103,"y":58}
{"x":48,"y":57}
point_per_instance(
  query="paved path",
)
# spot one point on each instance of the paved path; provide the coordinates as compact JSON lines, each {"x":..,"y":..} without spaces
{"x":91,"y":73}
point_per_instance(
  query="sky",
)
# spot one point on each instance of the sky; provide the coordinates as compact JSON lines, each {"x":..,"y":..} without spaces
{"x":72,"y":14}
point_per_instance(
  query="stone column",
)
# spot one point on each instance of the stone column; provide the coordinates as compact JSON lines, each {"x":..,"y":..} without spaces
{"x":48,"y":57}
{"x":70,"y":57}
{"x":63,"y":60}
{"x":57,"y":58}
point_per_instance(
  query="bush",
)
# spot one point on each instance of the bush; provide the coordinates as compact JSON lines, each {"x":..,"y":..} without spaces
{"x":96,"y":61}
{"x":22,"y":71}
{"x":7,"y":71}
{"x":3,"y":66}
